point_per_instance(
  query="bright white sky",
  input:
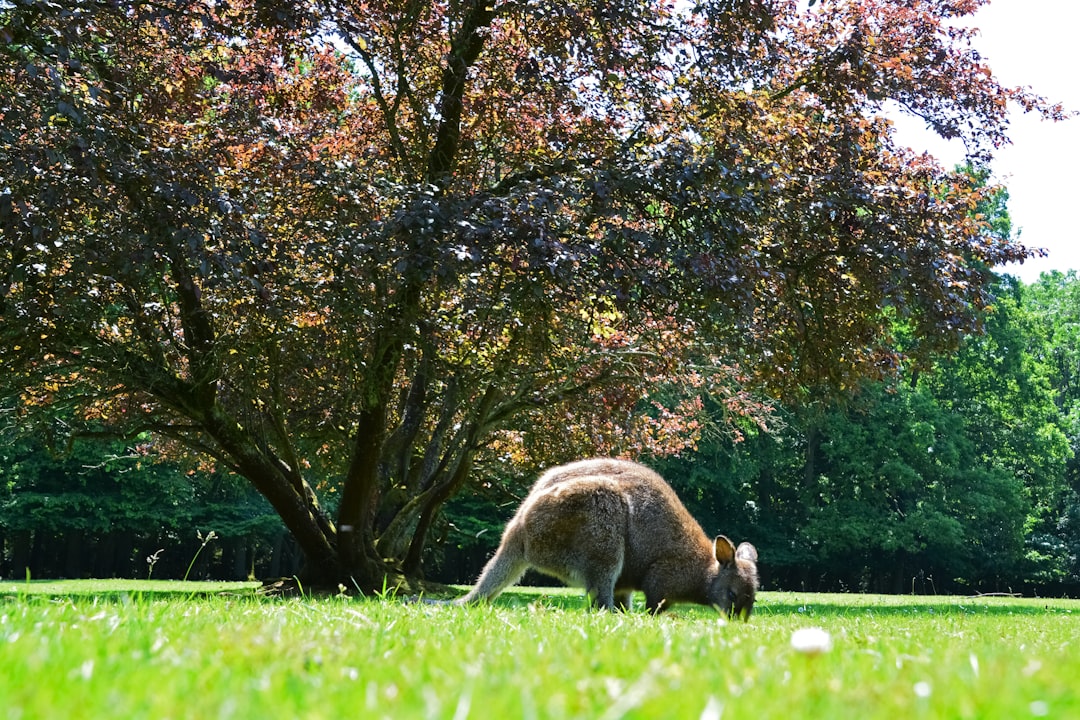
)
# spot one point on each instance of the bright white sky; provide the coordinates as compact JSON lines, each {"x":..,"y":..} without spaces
{"x":1032,"y":43}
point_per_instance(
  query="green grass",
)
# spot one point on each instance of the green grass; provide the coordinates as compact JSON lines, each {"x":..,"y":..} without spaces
{"x":187,"y":650}
{"x":118,"y":589}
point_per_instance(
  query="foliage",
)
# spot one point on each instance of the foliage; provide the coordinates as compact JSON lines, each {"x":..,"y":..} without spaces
{"x":1002,"y":386}
{"x":100,"y":510}
{"x":902,"y":487}
{"x":1054,"y":301}
{"x":88,"y":490}
{"x":347,"y":249}
{"x":953,"y":472}
{"x":955,"y":476}
{"x":536,"y":655}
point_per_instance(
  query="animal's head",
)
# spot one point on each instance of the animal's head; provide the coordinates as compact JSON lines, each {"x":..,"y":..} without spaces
{"x":735,"y":586}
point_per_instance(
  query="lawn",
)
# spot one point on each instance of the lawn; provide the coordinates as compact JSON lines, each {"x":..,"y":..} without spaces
{"x":188,"y":650}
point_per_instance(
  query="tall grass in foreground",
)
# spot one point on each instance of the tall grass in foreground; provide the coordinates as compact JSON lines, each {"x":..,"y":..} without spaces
{"x":532,"y":655}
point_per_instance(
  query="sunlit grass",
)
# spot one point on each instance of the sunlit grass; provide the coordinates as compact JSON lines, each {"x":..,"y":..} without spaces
{"x":118,"y":588}
{"x":183,"y":651}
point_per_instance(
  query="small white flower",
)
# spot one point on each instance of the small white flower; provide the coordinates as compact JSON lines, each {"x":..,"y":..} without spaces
{"x":811,"y":641}
{"x":714,"y":709}
{"x":922,"y":689}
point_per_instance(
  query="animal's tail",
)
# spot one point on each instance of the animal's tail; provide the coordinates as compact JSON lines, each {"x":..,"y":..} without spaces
{"x":502,"y":571}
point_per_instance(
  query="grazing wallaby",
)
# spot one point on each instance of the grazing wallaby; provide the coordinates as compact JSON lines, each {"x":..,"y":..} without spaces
{"x":612,"y":527}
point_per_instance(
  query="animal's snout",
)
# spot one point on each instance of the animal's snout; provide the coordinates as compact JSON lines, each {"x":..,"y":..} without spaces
{"x":740,"y":609}
{"x":738,"y":606}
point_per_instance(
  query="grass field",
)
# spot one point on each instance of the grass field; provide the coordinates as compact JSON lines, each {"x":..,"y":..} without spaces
{"x":108,"y":649}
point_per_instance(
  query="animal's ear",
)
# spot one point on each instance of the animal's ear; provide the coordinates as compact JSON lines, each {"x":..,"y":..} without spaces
{"x":747,"y":552}
{"x":724,"y":549}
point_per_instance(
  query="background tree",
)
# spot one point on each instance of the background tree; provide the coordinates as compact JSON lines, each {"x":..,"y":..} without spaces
{"x":1054,"y":304}
{"x":952,"y":473}
{"x":110,"y":510}
{"x":954,"y":478}
{"x":340,"y":247}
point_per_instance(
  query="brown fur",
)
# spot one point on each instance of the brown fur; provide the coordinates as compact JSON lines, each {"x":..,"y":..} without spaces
{"x":612,"y":527}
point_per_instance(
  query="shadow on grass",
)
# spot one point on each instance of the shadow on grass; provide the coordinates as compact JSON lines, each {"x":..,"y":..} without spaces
{"x":915,"y":607}
{"x":810,"y":605}
{"x":769,"y":604}
{"x":121,"y":591}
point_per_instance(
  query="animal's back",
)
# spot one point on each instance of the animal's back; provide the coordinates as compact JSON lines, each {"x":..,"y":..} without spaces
{"x":650,"y":500}
{"x":621,"y":471}
{"x":656,"y":523}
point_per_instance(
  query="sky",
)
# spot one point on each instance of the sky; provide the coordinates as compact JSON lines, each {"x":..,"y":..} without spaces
{"x":1032,"y":43}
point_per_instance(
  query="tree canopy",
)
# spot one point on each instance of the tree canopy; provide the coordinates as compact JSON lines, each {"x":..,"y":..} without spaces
{"x":347,"y":248}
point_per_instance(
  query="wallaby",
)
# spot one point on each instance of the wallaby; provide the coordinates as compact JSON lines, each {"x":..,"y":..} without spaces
{"x":612,"y":527}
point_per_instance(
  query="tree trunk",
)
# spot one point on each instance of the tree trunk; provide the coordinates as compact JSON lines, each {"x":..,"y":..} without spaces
{"x":124,"y":546}
{"x":276,"y":555}
{"x":105,"y":557}
{"x":38,"y":555}
{"x":234,"y":558}
{"x":293,"y":500}
{"x":20,"y":553}
{"x":414,"y":558}
{"x":900,"y":577}
{"x":356,"y":513}
{"x":413,"y":563}
{"x":74,"y":542}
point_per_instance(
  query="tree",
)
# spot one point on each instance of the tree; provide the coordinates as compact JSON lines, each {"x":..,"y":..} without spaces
{"x":52,"y":508}
{"x":1054,"y":304}
{"x":349,"y":250}
{"x":101,"y":509}
{"x":904,"y":491}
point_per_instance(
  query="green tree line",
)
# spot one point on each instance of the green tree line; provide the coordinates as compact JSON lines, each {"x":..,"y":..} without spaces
{"x":105,"y":509}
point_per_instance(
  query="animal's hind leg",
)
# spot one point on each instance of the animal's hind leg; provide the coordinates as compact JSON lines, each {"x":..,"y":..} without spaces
{"x":601,"y":570}
{"x":600,"y":579}
{"x":602,"y":592}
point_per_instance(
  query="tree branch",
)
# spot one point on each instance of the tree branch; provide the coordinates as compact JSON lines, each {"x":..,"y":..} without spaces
{"x":351,"y":36}
{"x":465,"y":48}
